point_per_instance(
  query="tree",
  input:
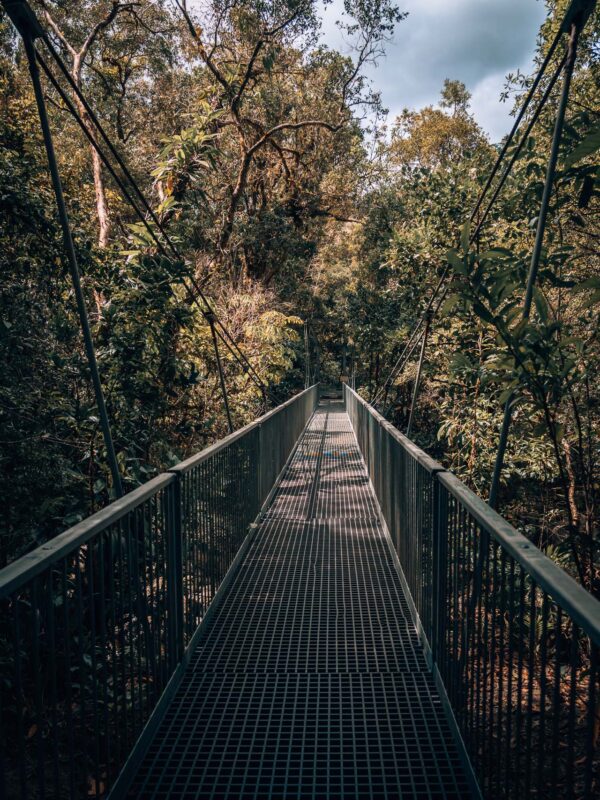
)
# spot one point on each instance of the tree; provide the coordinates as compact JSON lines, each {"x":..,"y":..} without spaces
{"x":105,"y":39}
{"x":456,"y":96}
{"x":278,"y":104}
{"x":433,"y":138}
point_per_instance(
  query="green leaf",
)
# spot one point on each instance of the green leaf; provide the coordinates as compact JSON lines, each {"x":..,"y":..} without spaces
{"x":548,"y":275}
{"x":590,"y":283}
{"x":539,"y":429}
{"x":519,"y":328}
{"x":460,"y":361}
{"x":457,"y":264}
{"x":449,"y":304}
{"x":505,"y":395}
{"x":483,"y":313}
{"x":268,"y":61}
{"x":592,"y":299}
{"x":496,"y":253}
{"x":464,"y":236}
{"x":540,"y":304}
{"x":585,"y":148}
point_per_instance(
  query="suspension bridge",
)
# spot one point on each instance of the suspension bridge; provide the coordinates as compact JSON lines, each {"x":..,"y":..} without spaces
{"x":310,"y":608}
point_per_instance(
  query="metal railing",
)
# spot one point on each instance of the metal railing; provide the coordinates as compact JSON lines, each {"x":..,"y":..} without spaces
{"x":513,"y":640}
{"x":94,"y":624}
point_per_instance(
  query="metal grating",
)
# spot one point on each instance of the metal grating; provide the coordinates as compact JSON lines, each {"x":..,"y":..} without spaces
{"x":304,"y":603}
{"x":326,"y":478}
{"x":309,"y":681}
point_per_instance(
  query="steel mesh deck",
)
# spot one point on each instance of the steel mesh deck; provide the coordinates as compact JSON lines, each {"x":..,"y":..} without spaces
{"x":309,"y":681}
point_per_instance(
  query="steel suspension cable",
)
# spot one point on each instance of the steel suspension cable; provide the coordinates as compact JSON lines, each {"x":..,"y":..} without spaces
{"x":401,"y":361}
{"x":517,"y":122}
{"x":27,"y":29}
{"x":534,"y":118}
{"x":576,"y":27}
{"x":221,"y":329}
{"x":207,"y":314}
{"x":408,"y":356}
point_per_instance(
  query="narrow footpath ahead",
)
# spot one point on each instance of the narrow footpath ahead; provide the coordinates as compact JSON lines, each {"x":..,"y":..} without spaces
{"x":309,"y":681}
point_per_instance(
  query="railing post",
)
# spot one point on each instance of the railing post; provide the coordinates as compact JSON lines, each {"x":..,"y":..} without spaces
{"x":439,"y":558}
{"x":175,"y":573}
{"x":259,"y":468}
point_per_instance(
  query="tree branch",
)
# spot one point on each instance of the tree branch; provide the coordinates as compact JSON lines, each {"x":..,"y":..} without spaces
{"x":116,"y":9}
{"x":293,"y":126}
{"x":59,"y":34}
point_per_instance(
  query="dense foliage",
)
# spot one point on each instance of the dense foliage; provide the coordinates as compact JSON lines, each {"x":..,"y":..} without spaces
{"x":263,"y":154}
{"x":480,"y":353}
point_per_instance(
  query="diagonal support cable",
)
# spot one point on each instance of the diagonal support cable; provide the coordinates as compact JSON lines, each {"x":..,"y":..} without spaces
{"x":576,"y":26}
{"x":211,"y":322}
{"x":578,"y":10}
{"x":415,"y":396}
{"x":29,"y":32}
{"x":196,"y":291}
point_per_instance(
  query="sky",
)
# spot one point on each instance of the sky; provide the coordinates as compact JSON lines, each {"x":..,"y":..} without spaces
{"x":475,"y":41}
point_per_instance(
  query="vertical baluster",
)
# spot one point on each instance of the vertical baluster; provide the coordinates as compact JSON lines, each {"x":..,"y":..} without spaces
{"x":573,"y":653}
{"x":104,"y":656}
{"x":508,"y":767}
{"x":81,"y":741}
{"x":541,"y":738}
{"x":556,"y":703}
{"x":20,"y":705}
{"x":492,"y":590}
{"x":95,"y":774}
{"x":67,"y":673}
{"x":51,"y":667}
{"x":592,"y":720}
{"x":480,"y":654}
{"x":485,"y":607}
{"x":520,"y":667}
{"x":530,"y":682}
{"x":112,"y":635}
{"x":501,"y":717}
{"x":120,"y":623}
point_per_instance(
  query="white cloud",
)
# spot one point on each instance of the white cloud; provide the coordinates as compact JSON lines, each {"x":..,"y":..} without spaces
{"x":493,"y":116}
{"x":475,"y":41}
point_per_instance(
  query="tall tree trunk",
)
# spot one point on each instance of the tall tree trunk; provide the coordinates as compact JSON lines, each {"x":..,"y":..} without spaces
{"x":101,"y":204}
{"x":99,"y":188}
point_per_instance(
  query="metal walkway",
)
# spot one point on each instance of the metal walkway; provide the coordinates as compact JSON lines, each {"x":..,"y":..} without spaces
{"x":309,"y":680}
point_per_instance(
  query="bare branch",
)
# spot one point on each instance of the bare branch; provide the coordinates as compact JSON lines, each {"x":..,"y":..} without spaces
{"x":247,"y":75}
{"x":57,"y":31}
{"x":308,"y":123}
{"x":116,"y":9}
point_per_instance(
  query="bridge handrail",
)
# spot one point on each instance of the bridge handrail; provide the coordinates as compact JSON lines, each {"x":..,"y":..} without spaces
{"x":430,"y":464}
{"x":30,"y":564}
{"x":211,"y":450}
{"x":513,"y":640}
{"x":27,"y":566}
{"x":95,"y":623}
{"x":563,"y":588}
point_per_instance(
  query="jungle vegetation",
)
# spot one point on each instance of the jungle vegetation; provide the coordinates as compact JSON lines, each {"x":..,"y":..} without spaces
{"x":270,"y":160}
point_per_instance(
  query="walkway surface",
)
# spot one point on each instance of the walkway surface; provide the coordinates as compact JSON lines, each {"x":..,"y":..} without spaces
{"x":309,"y":681}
